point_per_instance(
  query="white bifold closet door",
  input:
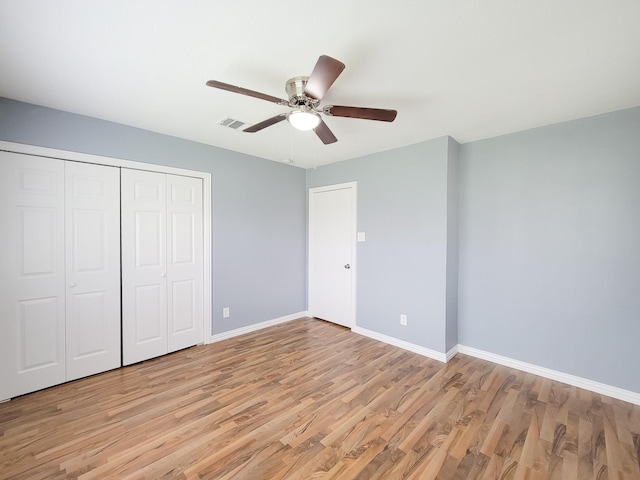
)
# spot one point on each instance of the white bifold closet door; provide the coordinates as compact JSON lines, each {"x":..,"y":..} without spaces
{"x":92,"y":226}
{"x":60,"y":297}
{"x":32,"y":296}
{"x":162,"y":264}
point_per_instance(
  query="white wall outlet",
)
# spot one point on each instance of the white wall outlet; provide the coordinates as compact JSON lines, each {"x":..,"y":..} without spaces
{"x":225,"y":312}
{"x":362,"y":237}
{"x":403,"y":319}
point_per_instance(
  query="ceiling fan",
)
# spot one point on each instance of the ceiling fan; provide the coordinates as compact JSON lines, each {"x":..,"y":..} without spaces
{"x":305,"y":94}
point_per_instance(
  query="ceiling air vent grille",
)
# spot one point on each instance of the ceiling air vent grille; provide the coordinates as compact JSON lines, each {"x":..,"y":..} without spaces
{"x":231,"y":123}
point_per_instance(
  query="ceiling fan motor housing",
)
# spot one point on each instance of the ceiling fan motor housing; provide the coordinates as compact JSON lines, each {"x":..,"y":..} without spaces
{"x":295,"y":90}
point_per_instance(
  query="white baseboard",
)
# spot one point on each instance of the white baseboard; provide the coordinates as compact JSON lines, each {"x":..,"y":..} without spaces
{"x":615,"y":392}
{"x":601,"y":388}
{"x":452,"y":353}
{"x":412,"y":347}
{"x":257,"y":326}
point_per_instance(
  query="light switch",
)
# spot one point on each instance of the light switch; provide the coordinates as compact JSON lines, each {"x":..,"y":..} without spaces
{"x":361,"y":236}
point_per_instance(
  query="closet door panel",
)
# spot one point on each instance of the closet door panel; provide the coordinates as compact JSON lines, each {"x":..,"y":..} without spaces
{"x":32,"y":303}
{"x":185,"y":262}
{"x":150,"y":307}
{"x":93,"y":269}
{"x":144,"y":269}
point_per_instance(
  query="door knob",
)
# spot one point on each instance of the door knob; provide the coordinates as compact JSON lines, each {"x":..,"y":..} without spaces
{"x":72,"y":284}
{"x":347,"y":266}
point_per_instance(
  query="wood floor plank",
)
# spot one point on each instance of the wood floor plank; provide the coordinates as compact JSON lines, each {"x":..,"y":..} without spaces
{"x":309,"y":399}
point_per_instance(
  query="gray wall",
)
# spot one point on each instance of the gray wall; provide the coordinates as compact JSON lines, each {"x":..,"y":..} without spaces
{"x":548,"y":235}
{"x":258,"y":206}
{"x":451,"y":333}
{"x":402,"y":208}
{"x":549,"y":254}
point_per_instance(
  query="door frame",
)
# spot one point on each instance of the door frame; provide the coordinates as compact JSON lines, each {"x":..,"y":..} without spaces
{"x":354,"y":233}
{"x":151,"y":167}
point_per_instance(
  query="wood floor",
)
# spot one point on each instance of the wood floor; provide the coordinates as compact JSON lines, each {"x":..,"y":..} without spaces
{"x":308,"y":399}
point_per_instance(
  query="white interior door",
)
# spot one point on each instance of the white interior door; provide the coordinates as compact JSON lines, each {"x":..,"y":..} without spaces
{"x":144,"y":267}
{"x":92,"y":268}
{"x":32,"y":297}
{"x":185,"y":262}
{"x":332,"y":233}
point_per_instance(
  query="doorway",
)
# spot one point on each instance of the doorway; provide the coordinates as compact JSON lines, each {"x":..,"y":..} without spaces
{"x":332,"y":253}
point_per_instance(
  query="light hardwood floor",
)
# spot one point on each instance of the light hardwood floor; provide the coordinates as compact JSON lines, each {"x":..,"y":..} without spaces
{"x":309,"y":399}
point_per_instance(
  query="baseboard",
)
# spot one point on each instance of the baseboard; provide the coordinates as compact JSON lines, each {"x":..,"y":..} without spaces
{"x":452,"y":353}
{"x":412,"y":347}
{"x":256,"y":326}
{"x":597,"y":387}
{"x":615,"y":392}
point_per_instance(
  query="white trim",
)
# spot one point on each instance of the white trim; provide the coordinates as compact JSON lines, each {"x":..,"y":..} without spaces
{"x":256,"y":326}
{"x":412,"y":347}
{"x":90,"y":158}
{"x":452,"y":353}
{"x":615,"y":392}
{"x":152,"y":167}
{"x":208,"y":264}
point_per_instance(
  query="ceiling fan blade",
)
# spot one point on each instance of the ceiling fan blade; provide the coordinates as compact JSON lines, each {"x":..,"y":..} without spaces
{"x":325,"y":134}
{"x":325,"y":72}
{"x":246,"y":91}
{"x":379,"y":114}
{"x":265,"y":123}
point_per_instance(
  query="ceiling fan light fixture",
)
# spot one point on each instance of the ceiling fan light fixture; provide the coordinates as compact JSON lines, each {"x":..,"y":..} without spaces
{"x":304,"y":119}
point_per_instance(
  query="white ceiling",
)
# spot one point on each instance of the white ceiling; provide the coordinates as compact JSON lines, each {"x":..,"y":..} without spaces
{"x":471,"y":69}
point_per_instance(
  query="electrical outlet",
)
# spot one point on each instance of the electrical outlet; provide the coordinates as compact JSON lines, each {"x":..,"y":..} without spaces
{"x":225,"y":312}
{"x":403,"y":319}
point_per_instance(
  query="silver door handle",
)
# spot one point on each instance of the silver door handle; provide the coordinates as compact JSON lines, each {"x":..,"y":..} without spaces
{"x":347,"y":266}
{"x":72,"y":284}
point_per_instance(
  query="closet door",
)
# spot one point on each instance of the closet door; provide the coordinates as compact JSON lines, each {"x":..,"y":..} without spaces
{"x":185,"y":262}
{"x":92,"y":268}
{"x":32,"y":297}
{"x":144,"y":269}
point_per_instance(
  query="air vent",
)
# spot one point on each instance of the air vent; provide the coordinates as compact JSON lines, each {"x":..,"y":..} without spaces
{"x":231,"y":123}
